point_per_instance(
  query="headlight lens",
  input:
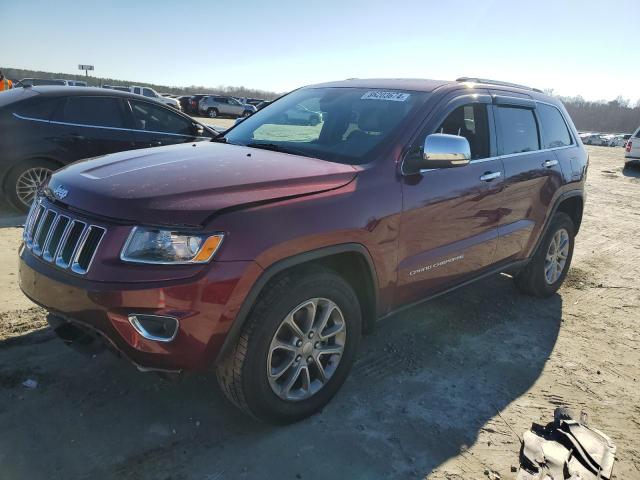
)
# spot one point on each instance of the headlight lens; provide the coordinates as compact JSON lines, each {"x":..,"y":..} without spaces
{"x":148,"y":245}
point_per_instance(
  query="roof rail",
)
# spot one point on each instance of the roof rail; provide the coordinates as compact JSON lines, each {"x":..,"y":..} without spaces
{"x":496,"y":82}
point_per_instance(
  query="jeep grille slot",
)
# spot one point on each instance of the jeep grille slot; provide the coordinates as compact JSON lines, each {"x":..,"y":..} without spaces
{"x":87,"y":249}
{"x":59,"y":239}
{"x":69,"y":244}
{"x":43,"y":231}
{"x":51,"y":248}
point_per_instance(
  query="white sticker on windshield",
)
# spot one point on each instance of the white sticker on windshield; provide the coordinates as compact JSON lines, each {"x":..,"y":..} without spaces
{"x":389,"y":96}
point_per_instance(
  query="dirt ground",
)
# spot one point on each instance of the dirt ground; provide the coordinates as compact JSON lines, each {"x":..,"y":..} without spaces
{"x":441,"y":391}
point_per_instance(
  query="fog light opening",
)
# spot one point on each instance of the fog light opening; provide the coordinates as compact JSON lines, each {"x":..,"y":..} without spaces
{"x":155,"y":327}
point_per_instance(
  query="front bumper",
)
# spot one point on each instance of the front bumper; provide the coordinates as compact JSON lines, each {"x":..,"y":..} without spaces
{"x":205,"y":306}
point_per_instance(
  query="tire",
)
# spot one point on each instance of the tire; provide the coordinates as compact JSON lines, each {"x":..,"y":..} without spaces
{"x":247,"y":113}
{"x":534,"y":278}
{"x":213,"y":113}
{"x":244,"y":374}
{"x":34,"y":172}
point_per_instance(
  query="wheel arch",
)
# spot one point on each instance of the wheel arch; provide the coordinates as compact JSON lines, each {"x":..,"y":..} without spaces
{"x":573,"y":206}
{"x":352,"y":261}
{"x":571,"y":203}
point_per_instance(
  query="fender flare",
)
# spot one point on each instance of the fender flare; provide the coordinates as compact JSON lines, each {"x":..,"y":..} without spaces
{"x":281,"y":265}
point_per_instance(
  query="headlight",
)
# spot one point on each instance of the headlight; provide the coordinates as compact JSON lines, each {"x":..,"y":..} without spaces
{"x":148,"y":245}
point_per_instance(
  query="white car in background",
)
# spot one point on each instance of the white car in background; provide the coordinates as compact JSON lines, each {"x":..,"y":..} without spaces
{"x":632,"y":150}
{"x":151,"y":93}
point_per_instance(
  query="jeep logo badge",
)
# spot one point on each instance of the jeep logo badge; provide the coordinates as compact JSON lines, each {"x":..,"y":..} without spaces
{"x":60,"y":192}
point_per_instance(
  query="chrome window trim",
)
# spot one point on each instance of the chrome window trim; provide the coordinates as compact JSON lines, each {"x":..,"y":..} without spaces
{"x":120,"y":129}
{"x":501,"y":157}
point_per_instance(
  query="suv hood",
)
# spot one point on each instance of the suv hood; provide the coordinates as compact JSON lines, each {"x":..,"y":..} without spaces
{"x":185,"y":184}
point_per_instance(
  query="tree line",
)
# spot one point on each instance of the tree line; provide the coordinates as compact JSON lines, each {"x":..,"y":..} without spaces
{"x":616,"y":116}
{"x":18,"y":74}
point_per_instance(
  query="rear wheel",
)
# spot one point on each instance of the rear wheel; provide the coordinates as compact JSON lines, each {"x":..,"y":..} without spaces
{"x":24,"y":181}
{"x":548,"y":268}
{"x":296,"y":349}
{"x":212,"y":112}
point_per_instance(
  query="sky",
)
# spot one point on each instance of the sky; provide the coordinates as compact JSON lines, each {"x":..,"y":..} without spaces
{"x":573,"y":47}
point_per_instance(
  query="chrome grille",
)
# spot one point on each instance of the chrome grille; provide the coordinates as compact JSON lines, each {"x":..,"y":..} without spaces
{"x":56,"y":238}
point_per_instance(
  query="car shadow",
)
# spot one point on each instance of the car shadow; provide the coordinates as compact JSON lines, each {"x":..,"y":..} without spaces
{"x":424,"y":385}
{"x":633,"y":170}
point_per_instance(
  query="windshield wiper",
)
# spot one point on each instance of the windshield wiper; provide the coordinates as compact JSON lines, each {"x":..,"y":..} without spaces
{"x":276,"y":148}
{"x":220,"y":139}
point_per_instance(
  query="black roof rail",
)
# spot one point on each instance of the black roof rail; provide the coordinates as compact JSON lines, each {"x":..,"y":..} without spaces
{"x":496,"y":82}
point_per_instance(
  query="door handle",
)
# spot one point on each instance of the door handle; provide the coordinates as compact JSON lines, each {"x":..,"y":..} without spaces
{"x":549,"y":163}
{"x":489,"y":176}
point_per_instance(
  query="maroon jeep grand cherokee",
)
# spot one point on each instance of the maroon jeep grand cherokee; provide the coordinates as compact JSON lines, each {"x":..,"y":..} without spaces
{"x":267,"y":253}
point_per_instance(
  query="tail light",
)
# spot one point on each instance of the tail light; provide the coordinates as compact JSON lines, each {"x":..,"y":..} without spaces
{"x":628,"y":146}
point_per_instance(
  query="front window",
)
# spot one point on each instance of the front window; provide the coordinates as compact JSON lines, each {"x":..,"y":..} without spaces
{"x":337,"y":124}
{"x":155,"y":118}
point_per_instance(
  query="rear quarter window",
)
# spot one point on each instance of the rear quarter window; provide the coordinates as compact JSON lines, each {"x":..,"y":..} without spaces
{"x":554,"y":129}
{"x":38,"y":108}
{"x":517,"y":129}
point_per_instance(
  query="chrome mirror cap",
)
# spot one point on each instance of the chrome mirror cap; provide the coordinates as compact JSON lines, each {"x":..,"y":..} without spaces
{"x":443,"y":151}
{"x":439,"y":151}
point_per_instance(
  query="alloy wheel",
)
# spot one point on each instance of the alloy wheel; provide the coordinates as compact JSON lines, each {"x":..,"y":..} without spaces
{"x":29,"y":182}
{"x":556,"y":257}
{"x":306,"y":349}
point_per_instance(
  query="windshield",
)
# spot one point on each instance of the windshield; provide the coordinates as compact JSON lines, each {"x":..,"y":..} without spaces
{"x":337,"y":124}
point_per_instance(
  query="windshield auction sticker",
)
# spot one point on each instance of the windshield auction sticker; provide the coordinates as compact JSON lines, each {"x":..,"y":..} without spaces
{"x":389,"y":96}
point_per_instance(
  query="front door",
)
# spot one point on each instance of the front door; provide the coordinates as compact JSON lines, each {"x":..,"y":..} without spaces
{"x":155,"y":125}
{"x":450,"y":216}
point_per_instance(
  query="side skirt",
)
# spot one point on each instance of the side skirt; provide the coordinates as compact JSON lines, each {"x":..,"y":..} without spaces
{"x":511,"y":266}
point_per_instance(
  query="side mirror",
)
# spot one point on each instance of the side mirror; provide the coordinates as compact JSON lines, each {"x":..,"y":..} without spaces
{"x":440,"y":151}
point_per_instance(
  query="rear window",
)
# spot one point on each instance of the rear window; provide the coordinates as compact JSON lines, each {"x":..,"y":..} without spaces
{"x":93,"y":111}
{"x":518,"y":130}
{"x":554,"y":129}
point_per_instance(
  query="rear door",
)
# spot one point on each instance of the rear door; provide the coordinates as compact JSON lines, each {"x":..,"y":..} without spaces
{"x":89,"y":126}
{"x":449,"y":224}
{"x":235,"y":107}
{"x":532,"y":176}
{"x":155,"y":125}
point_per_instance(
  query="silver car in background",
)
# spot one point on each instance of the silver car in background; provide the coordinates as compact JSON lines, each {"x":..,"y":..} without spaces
{"x":219,"y":106}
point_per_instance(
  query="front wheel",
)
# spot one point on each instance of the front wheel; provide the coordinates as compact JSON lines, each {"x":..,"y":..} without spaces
{"x":212,"y":112}
{"x":296,"y":349}
{"x":546,"y":271}
{"x":24,"y":181}
{"x":247,"y":113}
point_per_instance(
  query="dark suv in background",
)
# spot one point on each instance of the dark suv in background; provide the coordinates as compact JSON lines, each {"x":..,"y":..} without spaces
{"x":267,"y":253}
{"x":45,"y":128}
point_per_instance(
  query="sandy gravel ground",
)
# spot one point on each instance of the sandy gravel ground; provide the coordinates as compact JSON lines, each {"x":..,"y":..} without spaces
{"x":440,"y":391}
